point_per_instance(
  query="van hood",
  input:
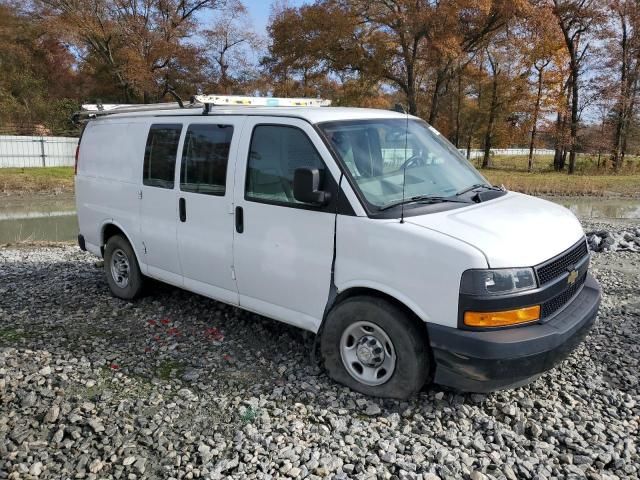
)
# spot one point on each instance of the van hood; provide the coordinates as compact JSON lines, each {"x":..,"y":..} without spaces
{"x":514,"y":230}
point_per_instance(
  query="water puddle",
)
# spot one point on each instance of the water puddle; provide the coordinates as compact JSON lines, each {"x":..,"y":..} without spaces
{"x":604,"y":208}
{"x":38,"y":217}
{"x":53,"y":218}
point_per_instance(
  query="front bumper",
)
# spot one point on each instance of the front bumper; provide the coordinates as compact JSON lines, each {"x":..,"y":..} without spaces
{"x":484,"y":361}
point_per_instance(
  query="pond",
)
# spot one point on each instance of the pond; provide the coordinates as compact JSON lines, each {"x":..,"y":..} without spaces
{"x":38,"y":217}
{"x":604,"y":208}
{"x":53,"y":218}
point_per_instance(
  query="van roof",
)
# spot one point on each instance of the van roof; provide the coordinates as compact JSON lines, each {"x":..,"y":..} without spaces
{"x":310,"y":114}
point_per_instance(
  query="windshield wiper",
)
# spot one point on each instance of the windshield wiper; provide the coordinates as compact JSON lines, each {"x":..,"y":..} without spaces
{"x":425,"y":199}
{"x":478,"y":185}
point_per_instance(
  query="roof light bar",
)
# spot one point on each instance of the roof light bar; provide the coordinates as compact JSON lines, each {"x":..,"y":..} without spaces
{"x":236,"y":100}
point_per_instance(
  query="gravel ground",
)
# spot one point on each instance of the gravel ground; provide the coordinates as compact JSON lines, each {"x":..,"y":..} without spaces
{"x":178,"y":386}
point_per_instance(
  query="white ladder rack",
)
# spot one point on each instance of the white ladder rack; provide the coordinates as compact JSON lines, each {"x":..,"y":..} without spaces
{"x":93,"y":110}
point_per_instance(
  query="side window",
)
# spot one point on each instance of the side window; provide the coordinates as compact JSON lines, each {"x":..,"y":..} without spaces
{"x":275,"y":153}
{"x":160,"y":155}
{"x":204,"y":158}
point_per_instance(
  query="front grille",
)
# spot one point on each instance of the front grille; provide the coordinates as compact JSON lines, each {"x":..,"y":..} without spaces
{"x":552,"y":306}
{"x":560,"y":265}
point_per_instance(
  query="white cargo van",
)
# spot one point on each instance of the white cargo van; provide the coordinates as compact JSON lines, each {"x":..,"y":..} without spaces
{"x":363,"y":226}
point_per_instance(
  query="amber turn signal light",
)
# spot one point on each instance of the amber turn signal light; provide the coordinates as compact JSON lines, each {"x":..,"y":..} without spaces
{"x":501,"y":319}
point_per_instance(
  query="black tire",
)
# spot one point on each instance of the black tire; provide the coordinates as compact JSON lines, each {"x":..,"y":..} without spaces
{"x":119,"y":247}
{"x":409,"y":340}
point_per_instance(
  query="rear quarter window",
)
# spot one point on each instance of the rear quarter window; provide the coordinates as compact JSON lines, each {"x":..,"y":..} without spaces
{"x":160,"y":155}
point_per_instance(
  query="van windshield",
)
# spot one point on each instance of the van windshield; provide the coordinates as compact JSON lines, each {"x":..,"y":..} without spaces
{"x":382,"y":154}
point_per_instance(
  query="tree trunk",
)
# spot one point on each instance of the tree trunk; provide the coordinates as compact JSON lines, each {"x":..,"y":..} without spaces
{"x":622,"y":102}
{"x":411,"y":89}
{"x":435,"y":98}
{"x":486,"y":161}
{"x":456,"y":137}
{"x":536,"y":111}
{"x":574,"y":122}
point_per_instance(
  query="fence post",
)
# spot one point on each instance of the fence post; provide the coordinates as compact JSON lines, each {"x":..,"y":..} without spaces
{"x":42,"y":154}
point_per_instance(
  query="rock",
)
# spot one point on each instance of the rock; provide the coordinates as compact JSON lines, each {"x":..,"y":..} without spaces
{"x":29,"y":400}
{"x":140,"y":465}
{"x":205,"y":453}
{"x":256,"y":407}
{"x":36,"y":469}
{"x":96,"y":465}
{"x":372,"y":409}
{"x":294,"y":472}
{"x":430,"y":476}
{"x":536,"y":430}
{"x":582,"y":460}
{"x":509,"y":410}
{"x":476,"y":475}
{"x":96,"y":425}
{"x":52,"y":414}
{"x":226,"y":465}
{"x":565,"y":458}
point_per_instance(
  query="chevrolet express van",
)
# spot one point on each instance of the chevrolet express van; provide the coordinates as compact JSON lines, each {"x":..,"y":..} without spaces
{"x":364,"y":226}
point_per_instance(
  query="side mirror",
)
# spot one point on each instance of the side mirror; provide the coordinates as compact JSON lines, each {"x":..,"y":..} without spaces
{"x":306,"y":186}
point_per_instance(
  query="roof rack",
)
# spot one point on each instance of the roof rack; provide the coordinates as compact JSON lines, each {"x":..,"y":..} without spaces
{"x":234,"y":100}
{"x":93,"y":110}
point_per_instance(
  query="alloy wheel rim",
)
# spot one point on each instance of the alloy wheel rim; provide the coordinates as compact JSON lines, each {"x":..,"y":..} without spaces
{"x":367,"y":353}
{"x":120,"y":268}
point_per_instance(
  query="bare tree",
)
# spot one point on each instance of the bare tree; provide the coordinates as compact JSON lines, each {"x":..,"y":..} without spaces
{"x":577,"y":19}
{"x":232,"y":43}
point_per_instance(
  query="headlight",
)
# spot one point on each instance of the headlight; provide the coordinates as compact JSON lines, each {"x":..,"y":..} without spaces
{"x":498,"y":281}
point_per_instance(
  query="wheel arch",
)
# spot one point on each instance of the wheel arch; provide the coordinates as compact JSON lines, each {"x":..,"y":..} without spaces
{"x":338,"y":297}
{"x":110,"y":228}
{"x":356,"y":291}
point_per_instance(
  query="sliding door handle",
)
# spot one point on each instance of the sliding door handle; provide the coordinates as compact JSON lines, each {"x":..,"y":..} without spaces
{"x":182,"y":207}
{"x":239,"y":220}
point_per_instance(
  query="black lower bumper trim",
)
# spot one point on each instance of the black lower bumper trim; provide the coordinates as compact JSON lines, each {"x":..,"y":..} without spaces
{"x":476,"y":361}
{"x":81,"y":243}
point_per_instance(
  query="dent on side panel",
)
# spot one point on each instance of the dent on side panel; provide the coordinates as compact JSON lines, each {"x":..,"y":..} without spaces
{"x":417,"y":266}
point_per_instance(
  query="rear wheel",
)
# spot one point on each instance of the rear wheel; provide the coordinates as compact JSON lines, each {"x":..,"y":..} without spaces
{"x":122,"y":269}
{"x":372,"y":346}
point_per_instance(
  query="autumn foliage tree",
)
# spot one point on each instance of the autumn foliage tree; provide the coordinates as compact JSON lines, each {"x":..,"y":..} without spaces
{"x":139,"y":44}
{"x":623,"y":41}
{"x":561,"y":74}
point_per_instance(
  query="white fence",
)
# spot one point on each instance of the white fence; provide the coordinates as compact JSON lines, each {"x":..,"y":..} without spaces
{"x":479,"y":153}
{"x":19,"y":151}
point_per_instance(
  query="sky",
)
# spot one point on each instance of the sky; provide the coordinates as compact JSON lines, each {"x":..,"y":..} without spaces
{"x":259,"y":11}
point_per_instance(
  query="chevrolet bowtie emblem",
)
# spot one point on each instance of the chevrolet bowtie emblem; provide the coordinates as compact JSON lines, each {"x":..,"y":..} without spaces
{"x":573,"y":276}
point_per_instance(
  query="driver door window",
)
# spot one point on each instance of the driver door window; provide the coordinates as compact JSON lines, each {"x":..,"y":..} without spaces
{"x":275,"y":153}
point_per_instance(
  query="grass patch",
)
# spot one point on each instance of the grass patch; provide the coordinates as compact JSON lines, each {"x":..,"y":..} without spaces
{"x":169,"y":369}
{"x":592,"y":177}
{"x":36,"y":180}
{"x":249,"y":415}
{"x":12,"y":335}
{"x":589,"y":178}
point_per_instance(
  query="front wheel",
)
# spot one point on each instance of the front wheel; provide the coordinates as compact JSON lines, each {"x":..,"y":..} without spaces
{"x":121,"y":267}
{"x":372,"y":346}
